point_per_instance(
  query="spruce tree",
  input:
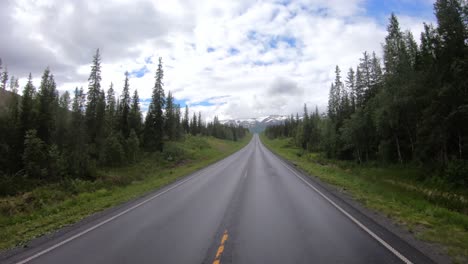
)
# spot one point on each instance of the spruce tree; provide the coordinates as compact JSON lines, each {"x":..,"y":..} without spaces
{"x":186,"y":120}
{"x":27,"y":112}
{"x":63,"y":120}
{"x":179,"y":128}
{"x":100,"y":119}
{"x":351,"y":87}
{"x":110,"y":110}
{"x":94,"y":93}
{"x":4,"y":78}
{"x":200,"y":123}
{"x":78,"y":159}
{"x":135,"y":118}
{"x":170,"y":124}
{"x":125,"y":109}
{"x":194,"y":125}
{"x":48,"y":102}
{"x":154,"y":123}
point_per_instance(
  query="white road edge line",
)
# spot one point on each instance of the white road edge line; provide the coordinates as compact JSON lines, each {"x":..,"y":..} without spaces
{"x":103,"y":222}
{"x":123,"y":212}
{"x":361,"y":225}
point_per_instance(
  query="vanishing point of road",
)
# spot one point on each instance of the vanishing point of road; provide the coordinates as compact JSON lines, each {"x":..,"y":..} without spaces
{"x":251,"y":207}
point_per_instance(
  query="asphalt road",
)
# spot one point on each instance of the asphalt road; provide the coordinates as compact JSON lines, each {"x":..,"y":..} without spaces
{"x":251,"y":207}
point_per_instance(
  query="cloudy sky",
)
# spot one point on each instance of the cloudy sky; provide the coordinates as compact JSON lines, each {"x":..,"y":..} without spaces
{"x":235,"y":59}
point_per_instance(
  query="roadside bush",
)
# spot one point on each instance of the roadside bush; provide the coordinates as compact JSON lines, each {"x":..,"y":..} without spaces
{"x":457,"y":173}
{"x":35,"y":155}
{"x":132,"y":146}
{"x":112,"y":153}
{"x":173,"y":153}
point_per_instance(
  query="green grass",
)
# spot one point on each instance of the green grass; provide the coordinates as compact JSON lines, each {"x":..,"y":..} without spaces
{"x":48,"y":208}
{"x":434,"y":214}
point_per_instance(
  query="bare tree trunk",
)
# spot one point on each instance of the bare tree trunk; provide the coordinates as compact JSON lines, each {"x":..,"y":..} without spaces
{"x":411,"y":141}
{"x":397,"y":141}
{"x":460,"y":145}
{"x":359,"y":156}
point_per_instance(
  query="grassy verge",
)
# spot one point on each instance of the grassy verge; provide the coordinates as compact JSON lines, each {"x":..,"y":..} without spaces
{"x":432,"y":214}
{"x":48,"y":208}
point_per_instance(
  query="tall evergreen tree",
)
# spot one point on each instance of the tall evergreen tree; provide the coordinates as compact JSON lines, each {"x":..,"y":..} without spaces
{"x":48,"y":102}
{"x":135,"y":118}
{"x":4,"y":78}
{"x":200,"y":123}
{"x":63,"y":120}
{"x":186,"y":120}
{"x":194,"y":125}
{"x":94,"y":93}
{"x":100,"y":119}
{"x":351,"y":87}
{"x":78,"y":159}
{"x":170,"y":124}
{"x":154,"y":123}
{"x":27,"y":111}
{"x":125,"y":108}
{"x":111,"y":109}
{"x":179,"y":128}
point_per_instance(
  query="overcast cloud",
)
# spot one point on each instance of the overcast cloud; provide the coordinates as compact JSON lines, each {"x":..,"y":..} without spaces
{"x":235,"y":59}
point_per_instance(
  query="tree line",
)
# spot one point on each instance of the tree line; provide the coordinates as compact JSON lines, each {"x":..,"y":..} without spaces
{"x":49,"y":136}
{"x":411,"y":106}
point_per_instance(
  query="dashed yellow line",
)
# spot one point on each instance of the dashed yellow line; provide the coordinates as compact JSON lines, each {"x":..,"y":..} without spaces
{"x":220,"y":250}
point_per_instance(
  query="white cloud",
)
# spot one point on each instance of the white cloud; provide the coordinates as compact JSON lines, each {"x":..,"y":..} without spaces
{"x":241,"y":58}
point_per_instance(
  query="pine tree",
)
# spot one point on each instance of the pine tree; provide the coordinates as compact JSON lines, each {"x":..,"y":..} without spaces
{"x":48,"y":103}
{"x":34,"y":156}
{"x":27,"y":113}
{"x":154,"y":123}
{"x":132,"y":146}
{"x":100,"y":119}
{"x":78,"y":159}
{"x":135,"y":118}
{"x":4,"y":78}
{"x":179,"y":128}
{"x":351,"y":86}
{"x":376,"y":76}
{"x":110,"y":110}
{"x":411,"y":47}
{"x":125,"y":109}
{"x":62,"y":120}
{"x":186,"y":120}
{"x":94,"y":93}
{"x":14,"y":103}
{"x":200,"y":123}
{"x":194,"y":125}
{"x":170,"y":124}
{"x":394,"y":47}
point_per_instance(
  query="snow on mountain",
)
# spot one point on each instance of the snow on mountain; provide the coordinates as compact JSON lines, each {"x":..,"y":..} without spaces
{"x":257,"y":124}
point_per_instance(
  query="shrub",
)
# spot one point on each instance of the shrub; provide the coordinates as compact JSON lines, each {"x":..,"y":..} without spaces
{"x":457,"y":173}
{"x":112,"y":153}
{"x":35,"y":155}
{"x":132,"y":147}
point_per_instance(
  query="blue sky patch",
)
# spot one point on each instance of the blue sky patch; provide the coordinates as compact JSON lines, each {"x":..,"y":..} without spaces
{"x":252,"y":35}
{"x":138,"y":73}
{"x":381,"y":10}
{"x":274,"y":41}
{"x":203,"y":103}
{"x":210,"y":49}
{"x":261,"y":63}
{"x":149,"y":60}
{"x":233,"y":51}
{"x":181,"y":102}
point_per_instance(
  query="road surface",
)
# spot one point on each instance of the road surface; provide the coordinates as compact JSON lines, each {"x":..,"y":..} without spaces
{"x":251,"y":207}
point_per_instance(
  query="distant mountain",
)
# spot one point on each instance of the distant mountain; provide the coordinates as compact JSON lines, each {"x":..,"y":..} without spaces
{"x":259,"y":124}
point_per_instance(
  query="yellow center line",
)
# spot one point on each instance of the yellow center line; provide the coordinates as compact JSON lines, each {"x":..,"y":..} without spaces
{"x":221,"y":248}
